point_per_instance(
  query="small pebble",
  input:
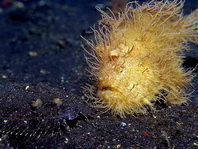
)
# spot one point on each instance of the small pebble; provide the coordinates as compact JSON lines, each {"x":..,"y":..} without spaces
{"x":33,"y":53}
{"x":18,"y":5}
{"x":42,"y":71}
{"x":145,"y":133}
{"x":5,"y":121}
{"x":37,"y":103}
{"x":4,"y":77}
{"x":123,"y":124}
{"x":118,"y":145}
{"x":66,"y":140}
{"x":196,"y":144}
{"x":57,"y":101}
{"x":25,"y":121}
{"x":27,"y":87}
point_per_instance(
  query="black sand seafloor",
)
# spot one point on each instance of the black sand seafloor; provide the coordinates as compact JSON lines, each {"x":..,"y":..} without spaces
{"x":43,"y":71}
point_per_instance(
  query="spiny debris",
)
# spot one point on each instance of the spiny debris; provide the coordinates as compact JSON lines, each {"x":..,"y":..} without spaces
{"x":30,"y":120}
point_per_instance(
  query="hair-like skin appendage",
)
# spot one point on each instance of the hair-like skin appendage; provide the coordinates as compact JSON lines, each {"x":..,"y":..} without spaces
{"x":136,"y":57}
